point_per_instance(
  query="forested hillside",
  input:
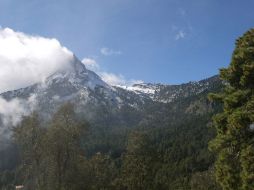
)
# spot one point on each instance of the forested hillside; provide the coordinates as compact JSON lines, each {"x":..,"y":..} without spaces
{"x":159,"y":146}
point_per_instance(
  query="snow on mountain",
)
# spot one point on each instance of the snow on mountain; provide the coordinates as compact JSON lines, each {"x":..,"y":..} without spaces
{"x":78,"y":85}
{"x":82,"y":86}
{"x":90,"y":94}
{"x":93,"y":98}
{"x":168,"y":93}
{"x":78,"y":76}
{"x":142,"y":89}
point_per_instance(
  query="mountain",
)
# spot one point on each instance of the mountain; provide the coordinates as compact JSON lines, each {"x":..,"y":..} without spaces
{"x":169,"y":93}
{"x":76,"y":84}
{"x":103,"y":104}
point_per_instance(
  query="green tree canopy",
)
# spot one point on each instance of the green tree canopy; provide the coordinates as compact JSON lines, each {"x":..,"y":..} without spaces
{"x":234,"y":141}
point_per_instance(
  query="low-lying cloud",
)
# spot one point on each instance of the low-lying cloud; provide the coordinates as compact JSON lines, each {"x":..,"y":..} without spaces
{"x":27,"y":59}
{"x":12,"y":112}
{"x":110,"y":78}
{"x":91,"y":64}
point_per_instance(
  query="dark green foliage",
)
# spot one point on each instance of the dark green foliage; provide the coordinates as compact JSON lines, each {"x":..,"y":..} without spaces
{"x":204,"y":181}
{"x":170,"y":155}
{"x":50,"y":156}
{"x":9,"y":157}
{"x":102,"y":172}
{"x":29,"y":137}
{"x":165,"y":156}
{"x":247,"y":157}
{"x":63,"y":149}
{"x":7,"y":180}
{"x":234,"y":141}
{"x":138,"y":162}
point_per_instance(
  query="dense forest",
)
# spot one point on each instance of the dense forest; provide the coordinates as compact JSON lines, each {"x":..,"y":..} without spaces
{"x":175,"y":146}
{"x":62,"y":155}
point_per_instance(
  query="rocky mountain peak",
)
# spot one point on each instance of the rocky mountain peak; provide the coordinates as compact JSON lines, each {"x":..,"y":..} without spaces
{"x":77,"y":76}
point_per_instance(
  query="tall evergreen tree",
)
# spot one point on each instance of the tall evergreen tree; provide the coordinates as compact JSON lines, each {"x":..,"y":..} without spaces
{"x":235,"y":136}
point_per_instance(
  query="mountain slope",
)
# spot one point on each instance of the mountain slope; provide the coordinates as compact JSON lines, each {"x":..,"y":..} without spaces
{"x":82,"y":87}
{"x":103,"y":104}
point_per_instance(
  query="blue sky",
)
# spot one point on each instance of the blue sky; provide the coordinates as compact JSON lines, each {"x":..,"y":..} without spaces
{"x":166,"y":41}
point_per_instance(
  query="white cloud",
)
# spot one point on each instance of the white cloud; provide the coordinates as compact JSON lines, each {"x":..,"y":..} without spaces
{"x":91,"y":64}
{"x":107,"y":52}
{"x":180,"y":35}
{"x":27,"y":59}
{"x":118,"y":79}
{"x":12,"y":112}
{"x":110,"y":78}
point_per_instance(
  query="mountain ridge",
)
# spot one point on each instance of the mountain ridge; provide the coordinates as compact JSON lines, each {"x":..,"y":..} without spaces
{"x":79,"y":77}
{"x":97,"y":101}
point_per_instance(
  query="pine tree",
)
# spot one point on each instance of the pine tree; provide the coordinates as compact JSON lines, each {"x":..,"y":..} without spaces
{"x":234,"y":141}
